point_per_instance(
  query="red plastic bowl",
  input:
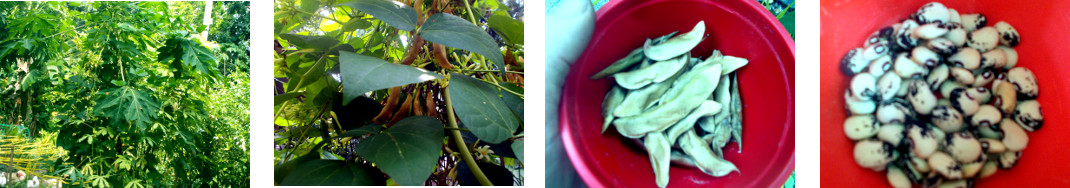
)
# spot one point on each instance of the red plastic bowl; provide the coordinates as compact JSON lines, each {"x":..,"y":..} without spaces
{"x":736,"y":27}
{"x":1043,"y":26}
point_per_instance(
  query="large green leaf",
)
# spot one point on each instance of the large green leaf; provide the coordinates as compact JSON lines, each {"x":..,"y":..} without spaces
{"x":408,"y":151}
{"x":128,"y":104}
{"x":193,"y":56}
{"x":481,"y":110}
{"x":198,"y":57}
{"x":283,"y":170}
{"x":334,"y":173}
{"x":394,"y":13}
{"x":361,"y":74}
{"x":510,"y":29}
{"x":456,"y":32}
{"x":518,"y":149}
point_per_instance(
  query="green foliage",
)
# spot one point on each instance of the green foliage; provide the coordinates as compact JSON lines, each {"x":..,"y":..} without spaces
{"x":335,"y":65}
{"x":132,"y":90}
{"x":453,"y":31}
{"x":334,"y":173}
{"x":230,"y":29}
{"x":518,"y":149}
{"x":480,"y":108}
{"x":510,"y":29}
{"x":361,"y":74}
{"x":396,"y":15}
{"x":128,"y":104}
{"x":416,"y":141}
{"x":187,"y":56}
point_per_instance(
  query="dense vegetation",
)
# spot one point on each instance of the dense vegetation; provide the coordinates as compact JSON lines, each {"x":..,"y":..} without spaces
{"x":138,"y":94}
{"x":383,"y":92}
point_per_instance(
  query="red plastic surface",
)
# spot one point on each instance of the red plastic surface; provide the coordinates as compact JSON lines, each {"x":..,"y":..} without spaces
{"x":736,"y":27}
{"x":1043,"y":26}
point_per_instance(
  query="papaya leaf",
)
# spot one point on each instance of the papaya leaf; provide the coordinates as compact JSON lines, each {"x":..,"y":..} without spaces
{"x":395,"y":14}
{"x":186,"y":55}
{"x":198,"y":57}
{"x":361,"y":74}
{"x":481,"y":110}
{"x":407,"y":151}
{"x":128,"y":104}
{"x":456,"y":32}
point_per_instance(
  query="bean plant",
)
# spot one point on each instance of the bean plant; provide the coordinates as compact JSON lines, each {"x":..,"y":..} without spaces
{"x":134,"y":92}
{"x":383,"y":92}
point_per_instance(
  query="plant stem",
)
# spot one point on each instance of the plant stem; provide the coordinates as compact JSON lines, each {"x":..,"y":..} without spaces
{"x":470,"y":16}
{"x":514,"y":72}
{"x":465,"y":154}
{"x":503,"y":88}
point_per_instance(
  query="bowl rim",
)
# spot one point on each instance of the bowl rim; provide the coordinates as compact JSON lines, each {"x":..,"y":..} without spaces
{"x":583,"y":169}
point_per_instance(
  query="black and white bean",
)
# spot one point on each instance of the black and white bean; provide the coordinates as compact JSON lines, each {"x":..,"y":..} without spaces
{"x":972,"y":22}
{"x":983,"y":39}
{"x":1028,"y":115}
{"x":1007,"y":35}
{"x":1024,"y":81}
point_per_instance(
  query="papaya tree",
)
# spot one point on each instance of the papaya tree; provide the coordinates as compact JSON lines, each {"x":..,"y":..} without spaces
{"x":383,"y":92}
{"x":133,"y":91}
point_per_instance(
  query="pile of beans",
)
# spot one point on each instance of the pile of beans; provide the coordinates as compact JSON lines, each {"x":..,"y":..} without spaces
{"x":937,"y":100}
{"x":681,"y":109}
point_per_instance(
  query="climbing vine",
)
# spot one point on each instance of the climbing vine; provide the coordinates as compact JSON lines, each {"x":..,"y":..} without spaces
{"x":383,"y":92}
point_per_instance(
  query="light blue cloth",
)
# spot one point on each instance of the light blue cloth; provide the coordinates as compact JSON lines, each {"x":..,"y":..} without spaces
{"x":569,"y":24}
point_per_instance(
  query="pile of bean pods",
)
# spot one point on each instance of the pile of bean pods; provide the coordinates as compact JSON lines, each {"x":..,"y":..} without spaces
{"x":937,"y":100}
{"x":683,"y":110}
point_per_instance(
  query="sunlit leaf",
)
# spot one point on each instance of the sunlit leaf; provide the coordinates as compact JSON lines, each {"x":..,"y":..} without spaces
{"x":510,"y":29}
